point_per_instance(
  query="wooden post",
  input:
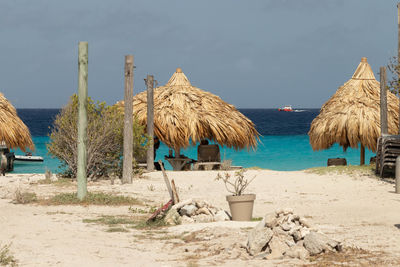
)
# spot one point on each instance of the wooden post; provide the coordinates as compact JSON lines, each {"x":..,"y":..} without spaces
{"x":82,"y":119}
{"x":150,"y":121}
{"x":397,"y":185}
{"x":128,"y":121}
{"x":398,"y":55}
{"x":384,"y":120}
{"x":167,"y":183}
{"x":362,"y":155}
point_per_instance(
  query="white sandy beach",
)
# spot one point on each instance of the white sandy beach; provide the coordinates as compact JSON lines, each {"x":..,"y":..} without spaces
{"x":360,"y":211}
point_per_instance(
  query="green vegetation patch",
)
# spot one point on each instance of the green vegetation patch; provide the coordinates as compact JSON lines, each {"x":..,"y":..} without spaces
{"x":6,"y":258}
{"x":121,"y":223}
{"x":111,"y":220}
{"x":24,"y":197}
{"x":99,"y":198}
{"x":117,"y":230}
{"x":351,"y":170}
{"x":62,"y":182}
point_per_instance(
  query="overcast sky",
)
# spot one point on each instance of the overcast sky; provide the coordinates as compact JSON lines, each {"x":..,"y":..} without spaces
{"x":253,"y":54}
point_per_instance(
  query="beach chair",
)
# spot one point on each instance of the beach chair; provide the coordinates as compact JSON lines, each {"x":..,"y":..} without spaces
{"x":208,"y":158}
{"x":388,"y":149}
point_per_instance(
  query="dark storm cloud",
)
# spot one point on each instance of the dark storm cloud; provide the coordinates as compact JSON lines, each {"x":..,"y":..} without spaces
{"x":251,"y":53}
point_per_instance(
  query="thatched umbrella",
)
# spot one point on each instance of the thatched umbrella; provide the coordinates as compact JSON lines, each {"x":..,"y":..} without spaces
{"x":13,"y":132}
{"x":183,"y":112}
{"x":352,"y":114}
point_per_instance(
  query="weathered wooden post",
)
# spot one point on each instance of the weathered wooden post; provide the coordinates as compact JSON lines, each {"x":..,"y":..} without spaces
{"x":397,"y":185}
{"x":398,"y":54}
{"x":128,"y":121}
{"x":384,"y":120}
{"x":150,"y":121}
{"x":82,"y":119}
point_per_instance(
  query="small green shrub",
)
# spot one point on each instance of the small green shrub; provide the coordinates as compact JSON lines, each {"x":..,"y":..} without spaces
{"x":104,"y":139}
{"x":99,"y":198}
{"x":117,"y":230}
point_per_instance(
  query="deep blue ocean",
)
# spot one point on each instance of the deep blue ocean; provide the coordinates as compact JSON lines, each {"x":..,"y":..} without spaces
{"x":284,"y":144}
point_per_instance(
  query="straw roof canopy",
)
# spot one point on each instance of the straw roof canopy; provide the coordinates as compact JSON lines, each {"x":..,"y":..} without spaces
{"x":183,"y":112}
{"x":352,"y":114}
{"x":12,"y":130}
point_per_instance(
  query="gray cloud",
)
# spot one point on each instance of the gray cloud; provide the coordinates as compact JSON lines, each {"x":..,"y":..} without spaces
{"x":252,"y":53}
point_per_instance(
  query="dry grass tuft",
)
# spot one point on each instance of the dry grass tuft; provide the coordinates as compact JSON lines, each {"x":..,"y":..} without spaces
{"x":98,"y":198}
{"x":352,"y":170}
{"x":24,"y":197}
{"x":6,"y":258}
{"x":352,"y":257}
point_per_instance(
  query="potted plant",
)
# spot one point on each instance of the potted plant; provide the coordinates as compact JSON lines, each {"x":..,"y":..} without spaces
{"x":241,"y":205}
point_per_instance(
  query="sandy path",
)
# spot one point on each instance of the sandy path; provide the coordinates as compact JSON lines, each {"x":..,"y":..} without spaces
{"x":360,"y":211}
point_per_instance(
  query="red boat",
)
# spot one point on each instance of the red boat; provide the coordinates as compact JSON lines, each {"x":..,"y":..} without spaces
{"x":286,"y":108}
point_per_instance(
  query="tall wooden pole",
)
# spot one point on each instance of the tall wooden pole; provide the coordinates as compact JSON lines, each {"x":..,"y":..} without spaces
{"x":384,"y":119}
{"x":398,"y":54}
{"x":82,"y":119}
{"x":150,"y":121}
{"x":128,"y":121}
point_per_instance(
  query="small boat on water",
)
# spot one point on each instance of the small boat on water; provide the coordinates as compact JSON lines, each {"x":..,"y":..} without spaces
{"x":28,"y":158}
{"x":286,"y":108}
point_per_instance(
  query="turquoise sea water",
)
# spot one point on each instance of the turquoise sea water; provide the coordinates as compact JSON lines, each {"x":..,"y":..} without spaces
{"x":275,"y":152}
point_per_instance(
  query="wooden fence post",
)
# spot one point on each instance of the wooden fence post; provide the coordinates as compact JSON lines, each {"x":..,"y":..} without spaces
{"x":384,"y":120}
{"x":82,"y":119}
{"x":128,"y":121}
{"x":150,"y":121}
{"x":398,"y":54}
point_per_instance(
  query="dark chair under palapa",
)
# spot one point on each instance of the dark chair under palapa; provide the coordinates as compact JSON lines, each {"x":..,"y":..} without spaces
{"x":208,"y":157}
{"x":388,"y":149}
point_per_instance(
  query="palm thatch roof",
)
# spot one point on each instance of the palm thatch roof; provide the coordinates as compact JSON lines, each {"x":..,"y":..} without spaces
{"x":13,"y":132}
{"x":352,"y":114}
{"x":184,"y":113}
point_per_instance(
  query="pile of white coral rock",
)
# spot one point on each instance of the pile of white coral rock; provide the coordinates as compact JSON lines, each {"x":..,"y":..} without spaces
{"x":282,"y":234}
{"x":195,"y":211}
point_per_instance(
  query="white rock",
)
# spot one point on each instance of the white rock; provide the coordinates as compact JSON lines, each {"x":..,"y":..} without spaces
{"x":200,"y":203}
{"x":278,"y":211}
{"x":202,"y":218}
{"x":304,"y":231}
{"x":303,"y":221}
{"x":298,"y":252}
{"x":287,"y":226}
{"x":203,"y":210}
{"x":179,"y":205}
{"x":287,"y":211}
{"x":316,"y":243}
{"x":257,"y":239}
{"x":278,"y":248}
{"x":172,"y":217}
{"x":221,"y":216}
{"x":188,"y":210}
{"x":270,"y":220}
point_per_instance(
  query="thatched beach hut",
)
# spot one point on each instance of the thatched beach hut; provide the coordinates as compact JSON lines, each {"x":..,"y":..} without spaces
{"x":184,"y":113}
{"x":352,"y":115}
{"x":13,"y":132}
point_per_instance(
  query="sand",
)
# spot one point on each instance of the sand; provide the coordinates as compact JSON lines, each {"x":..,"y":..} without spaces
{"x":359,"y":210}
